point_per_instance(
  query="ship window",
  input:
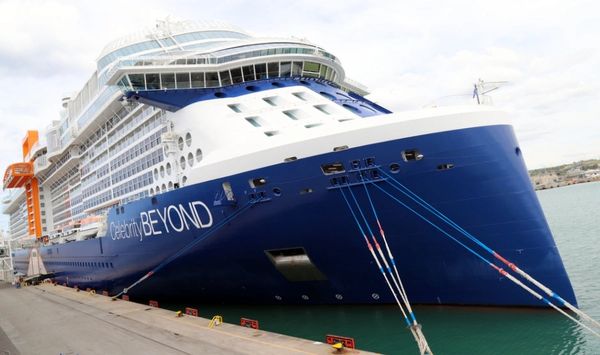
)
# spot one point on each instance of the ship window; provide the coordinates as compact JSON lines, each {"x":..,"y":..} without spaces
{"x":235,"y":108}
{"x":190,"y":159}
{"x":327,"y":95}
{"x":188,"y":139}
{"x":151,"y":191}
{"x":163,"y":187}
{"x":198,"y":154}
{"x":289,"y":159}
{"x":168,"y":168}
{"x":137,"y":81}
{"x":254,"y":183}
{"x":273,"y":69}
{"x":180,"y":143}
{"x":272,"y":100}
{"x":182,"y":163}
{"x":394,"y":167}
{"x":261,"y":71}
{"x":411,"y":155}
{"x":183,"y":80}
{"x":312,"y":67}
{"x":326,"y":109}
{"x":183,"y":180}
{"x":285,"y":69}
{"x":300,"y":95}
{"x":249,"y":73}
{"x":333,"y":168}
{"x":162,"y":171}
{"x":446,"y":166}
{"x":198,"y":80}
{"x":225,"y":78}
{"x":152,"y":81}
{"x":296,"y":68}
{"x":313,"y":125}
{"x":212,"y":80}
{"x":170,"y":185}
{"x":255,"y":121}
{"x":293,"y":114}
{"x":228,"y":191}
{"x":271,"y":133}
{"x":236,"y":75}
{"x":305,"y":191}
{"x":168,"y":80}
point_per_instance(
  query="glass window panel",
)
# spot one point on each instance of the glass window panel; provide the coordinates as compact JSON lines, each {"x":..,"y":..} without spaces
{"x":296,"y":68}
{"x":225,"y":78}
{"x":273,"y":70}
{"x":285,"y":69}
{"x":183,"y":80}
{"x":191,"y":61}
{"x":261,"y":71}
{"x":137,"y":81}
{"x":323,"y":71}
{"x":212,"y":80}
{"x":312,"y":67}
{"x":152,"y":81}
{"x":168,"y":80}
{"x":236,"y":75}
{"x":249,"y":73}
{"x":198,"y":80}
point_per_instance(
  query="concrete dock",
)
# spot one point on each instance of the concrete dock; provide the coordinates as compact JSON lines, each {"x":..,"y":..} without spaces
{"x":49,"y":319}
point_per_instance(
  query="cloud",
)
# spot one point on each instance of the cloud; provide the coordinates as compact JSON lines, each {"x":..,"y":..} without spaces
{"x":410,"y":54}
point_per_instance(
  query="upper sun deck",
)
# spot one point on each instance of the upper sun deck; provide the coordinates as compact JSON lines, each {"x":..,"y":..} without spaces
{"x":168,"y":35}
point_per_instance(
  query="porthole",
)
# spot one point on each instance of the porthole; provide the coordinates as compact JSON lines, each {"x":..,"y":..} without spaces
{"x":198,"y":154}
{"x":277,"y":84}
{"x":152,"y":191}
{"x":305,"y":297}
{"x":155,"y":174}
{"x":220,"y":94}
{"x":188,"y":139}
{"x":164,"y":187}
{"x":170,"y":185}
{"x":276,"y":191}
{"x":277,"y":297}
{"x":180,"y":143}
{"x":157,"y":189}
{"x":162,"y":171}
{"x":375,"y":296}
{"x":182,"y":162}
{"x":168,"y":168}
{"x":339,"y":297}
{"x":190,"y":159}
{"x":394,"y":167}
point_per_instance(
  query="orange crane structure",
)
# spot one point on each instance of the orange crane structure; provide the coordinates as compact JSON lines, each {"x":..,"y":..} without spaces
{"x":20,"y":175}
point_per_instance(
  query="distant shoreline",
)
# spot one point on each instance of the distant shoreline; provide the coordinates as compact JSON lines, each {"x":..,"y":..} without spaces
{"x":565,"y":175}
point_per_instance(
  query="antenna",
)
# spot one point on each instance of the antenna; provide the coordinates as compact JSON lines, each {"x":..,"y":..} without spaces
{"x":482,"y":88}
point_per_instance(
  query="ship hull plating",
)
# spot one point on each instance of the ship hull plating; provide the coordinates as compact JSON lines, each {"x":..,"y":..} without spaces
{"x":487,"y":192}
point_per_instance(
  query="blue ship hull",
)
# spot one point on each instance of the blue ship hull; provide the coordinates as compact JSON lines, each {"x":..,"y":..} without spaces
{"x":487,"y":192}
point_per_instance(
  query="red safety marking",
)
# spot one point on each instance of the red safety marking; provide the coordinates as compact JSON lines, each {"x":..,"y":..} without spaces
{"x":249,"y":323}
{"x":153,"y":303}
{"x":347,"y":342}
{"x":125,"y":297}
{"x":104,"y":293}
{"x":191,"y":311}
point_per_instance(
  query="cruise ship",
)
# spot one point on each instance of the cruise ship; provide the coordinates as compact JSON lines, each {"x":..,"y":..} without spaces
{"x":221,"y":167}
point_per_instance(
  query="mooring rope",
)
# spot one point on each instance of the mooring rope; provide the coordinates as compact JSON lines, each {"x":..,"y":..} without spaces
{"x":187,"y":247}
{"x":370,"y":247}
{"x":413,"y":196}
{"x":500,"y":270}
{"x":415,"y":328}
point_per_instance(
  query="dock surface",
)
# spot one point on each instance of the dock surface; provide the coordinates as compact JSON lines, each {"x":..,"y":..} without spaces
{"x":47,"y":319}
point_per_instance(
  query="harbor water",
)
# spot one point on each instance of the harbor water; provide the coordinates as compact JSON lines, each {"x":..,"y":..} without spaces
{"x":573,"y":213}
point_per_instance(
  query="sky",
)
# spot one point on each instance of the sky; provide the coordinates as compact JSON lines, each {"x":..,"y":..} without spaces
{"x":410,"y":54}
